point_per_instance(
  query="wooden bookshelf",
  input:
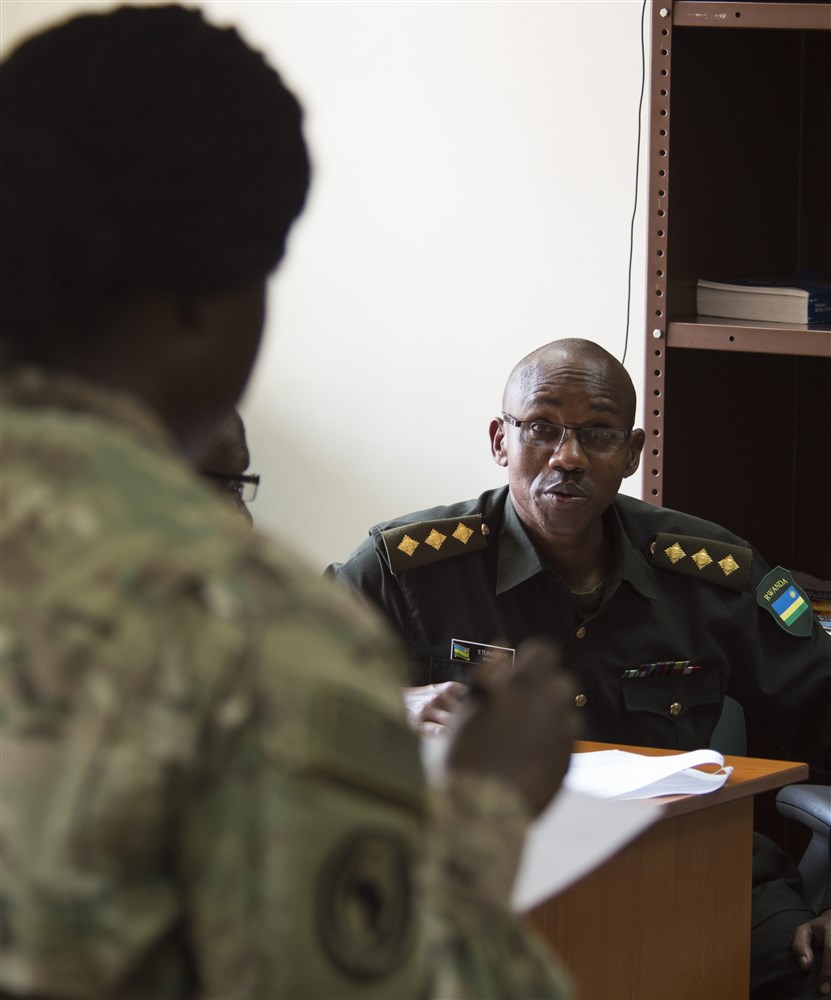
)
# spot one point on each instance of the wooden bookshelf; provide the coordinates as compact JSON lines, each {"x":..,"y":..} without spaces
{"x":738,"y":414}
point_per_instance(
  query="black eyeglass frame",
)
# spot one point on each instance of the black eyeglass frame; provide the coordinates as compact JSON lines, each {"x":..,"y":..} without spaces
{"x":250,"y":479}
{"x":621,"y":440}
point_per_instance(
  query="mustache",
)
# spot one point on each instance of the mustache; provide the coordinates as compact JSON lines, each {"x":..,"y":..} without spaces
{"x":563,"y":486}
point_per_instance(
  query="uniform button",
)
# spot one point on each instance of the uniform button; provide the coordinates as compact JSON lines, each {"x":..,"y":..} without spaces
{"x":675,"y":708}
{"x":580,"y":700}
{"x":580,"y":632}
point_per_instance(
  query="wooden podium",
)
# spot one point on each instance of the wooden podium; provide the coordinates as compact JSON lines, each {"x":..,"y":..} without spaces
{"x":669,"y":916}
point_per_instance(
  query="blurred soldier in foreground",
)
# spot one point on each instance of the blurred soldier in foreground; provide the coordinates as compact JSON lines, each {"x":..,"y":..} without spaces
{"x":208,"y":784}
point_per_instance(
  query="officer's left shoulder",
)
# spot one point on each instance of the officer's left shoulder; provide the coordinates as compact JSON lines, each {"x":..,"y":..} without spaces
{"x":723,"y":563}
{"x":681,"y":543}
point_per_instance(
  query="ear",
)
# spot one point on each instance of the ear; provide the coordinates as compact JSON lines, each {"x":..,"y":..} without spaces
{"x":635,"y":447}
{"x":497,"y":435}
{"x":222,"y":323}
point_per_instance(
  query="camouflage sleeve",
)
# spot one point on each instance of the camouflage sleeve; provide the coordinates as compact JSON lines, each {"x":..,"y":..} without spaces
{"x":220,"y":797}
{"x":208,"y":785}
{"x":475,"y":843}
{"x":315,"y":776}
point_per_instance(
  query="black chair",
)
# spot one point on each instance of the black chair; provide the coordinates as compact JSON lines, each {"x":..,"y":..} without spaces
{"x":811,"y":805}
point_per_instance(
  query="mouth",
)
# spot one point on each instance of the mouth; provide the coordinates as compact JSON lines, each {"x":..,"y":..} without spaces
{"x":564,"y":492}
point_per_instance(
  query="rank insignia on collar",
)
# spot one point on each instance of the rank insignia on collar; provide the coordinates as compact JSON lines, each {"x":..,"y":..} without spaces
{"x":717,"y":562}
{"x":788,"y":604}
{"x":423,"y":542}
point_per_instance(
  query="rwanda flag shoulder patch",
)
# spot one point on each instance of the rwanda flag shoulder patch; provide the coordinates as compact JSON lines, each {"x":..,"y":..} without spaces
{"x":788,"y":603}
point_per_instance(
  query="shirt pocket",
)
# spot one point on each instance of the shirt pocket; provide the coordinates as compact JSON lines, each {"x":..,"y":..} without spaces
{"x":674,"y":711}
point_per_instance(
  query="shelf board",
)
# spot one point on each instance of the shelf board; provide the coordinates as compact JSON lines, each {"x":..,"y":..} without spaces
{"x":707,"y":14}
{"x":716,"y":334}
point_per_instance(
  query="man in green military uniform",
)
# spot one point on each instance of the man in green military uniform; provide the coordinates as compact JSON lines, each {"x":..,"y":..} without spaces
{"x":208,"y":785}
{"x":660,"y":614}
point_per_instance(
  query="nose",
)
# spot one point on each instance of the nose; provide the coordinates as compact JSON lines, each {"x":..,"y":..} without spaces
{"x":569,"y":452}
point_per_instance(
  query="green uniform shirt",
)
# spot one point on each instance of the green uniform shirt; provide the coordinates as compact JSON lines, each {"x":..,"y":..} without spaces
{"x":653,"y":653}
{"x":652,"y":661}
{"x":208,"y":786}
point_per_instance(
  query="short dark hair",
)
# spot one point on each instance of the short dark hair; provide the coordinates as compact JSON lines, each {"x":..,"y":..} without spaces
{"x":144,"y":150}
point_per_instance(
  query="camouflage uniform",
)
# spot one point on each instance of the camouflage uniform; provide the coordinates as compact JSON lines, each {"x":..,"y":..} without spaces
{"x":208,"y":787}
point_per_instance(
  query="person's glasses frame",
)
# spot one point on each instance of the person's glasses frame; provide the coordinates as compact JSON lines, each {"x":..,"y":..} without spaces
{"x":595,"y":440}
{"x":242,"y":486}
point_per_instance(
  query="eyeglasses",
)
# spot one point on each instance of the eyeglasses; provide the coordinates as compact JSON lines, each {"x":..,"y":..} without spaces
{"x":593,"y":440}
{"x":244,"y":488}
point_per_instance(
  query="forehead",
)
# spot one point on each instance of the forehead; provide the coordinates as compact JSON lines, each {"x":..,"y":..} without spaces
{"x":587,"y":385}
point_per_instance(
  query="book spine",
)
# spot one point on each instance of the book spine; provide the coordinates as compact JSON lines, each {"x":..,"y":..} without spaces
{"x":819,"y":306}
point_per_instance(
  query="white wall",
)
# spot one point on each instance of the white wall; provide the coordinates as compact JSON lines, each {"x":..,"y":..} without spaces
{"x":474,"y":170}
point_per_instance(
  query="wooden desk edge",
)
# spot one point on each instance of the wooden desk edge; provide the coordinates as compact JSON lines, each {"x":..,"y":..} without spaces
{"x":750,"y":776}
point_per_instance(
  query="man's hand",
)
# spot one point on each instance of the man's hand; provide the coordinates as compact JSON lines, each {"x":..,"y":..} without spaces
{"x":809,"y":940}
{"x":518,"y":724}
{"x":432,"y":709}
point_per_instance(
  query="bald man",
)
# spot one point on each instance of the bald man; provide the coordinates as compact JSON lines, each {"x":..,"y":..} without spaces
{"x":660,"y":614}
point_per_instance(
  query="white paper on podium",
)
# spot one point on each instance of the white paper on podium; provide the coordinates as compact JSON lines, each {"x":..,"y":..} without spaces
{"x":618,"y":774}
{"x":574,"y":835}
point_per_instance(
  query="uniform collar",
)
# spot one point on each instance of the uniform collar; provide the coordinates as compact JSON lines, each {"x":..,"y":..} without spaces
{"x":634,"y":567}
{"x":518,"y":559}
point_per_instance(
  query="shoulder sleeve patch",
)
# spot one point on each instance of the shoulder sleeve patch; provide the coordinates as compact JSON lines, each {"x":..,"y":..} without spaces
{"x":717,"y":562}
{"x":365,"y":904}
{"x":424,"y":542}
{"x":354,"y":741}
{"x":786,"y":601}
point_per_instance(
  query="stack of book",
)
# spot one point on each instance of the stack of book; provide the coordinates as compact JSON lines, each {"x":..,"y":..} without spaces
{"x":802,"y":297}
{"x":818,"y":592}
{"x":821,"y":606}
